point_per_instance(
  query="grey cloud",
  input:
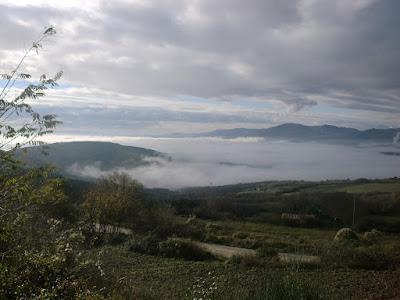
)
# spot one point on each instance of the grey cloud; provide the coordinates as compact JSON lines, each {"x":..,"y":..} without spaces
{"x":296,"y":52}
{"x":129,"y":120}
{"x":86,"y":117}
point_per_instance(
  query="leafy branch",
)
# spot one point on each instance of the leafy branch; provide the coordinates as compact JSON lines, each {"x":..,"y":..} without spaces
{"x":14,"y":134}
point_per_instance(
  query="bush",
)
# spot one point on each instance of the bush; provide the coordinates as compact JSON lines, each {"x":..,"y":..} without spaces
{"x":247,"y":260}
{"x":103,"y":238}
{"x":175,"y":247}
{"x":193,"y":228}
{"x":348,"y":256}
{"x":240,"y":235}
{"x":180,"y":248}
{"x":59,"y":270}
{"x":251,"y":242}
{"x":371,"y":237}
{"x":212,"y":227}
{"x":267,"y":251}
{"x":346,"y":236}
{"x":146,"y":244}
{"x":218,"y":239}
{"x":164,"y":219}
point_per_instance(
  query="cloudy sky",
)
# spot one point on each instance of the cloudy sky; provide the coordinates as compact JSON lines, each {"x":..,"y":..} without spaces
{"x":134,"y":67}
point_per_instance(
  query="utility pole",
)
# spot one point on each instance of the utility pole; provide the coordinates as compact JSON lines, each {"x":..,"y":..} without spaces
{"x":354,"y":208}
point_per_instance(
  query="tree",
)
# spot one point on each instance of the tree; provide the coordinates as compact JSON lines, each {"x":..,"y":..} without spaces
{"x":114,"y":200}
{"x":40,"y":257}
{"x":20,"y":125}
{"x":28,"y":125}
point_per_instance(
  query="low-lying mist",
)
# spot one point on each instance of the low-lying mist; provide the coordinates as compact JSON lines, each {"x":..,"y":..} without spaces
{"x":213,"y":161}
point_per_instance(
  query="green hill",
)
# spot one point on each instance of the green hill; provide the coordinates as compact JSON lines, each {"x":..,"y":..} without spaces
{"x":102,"y":155}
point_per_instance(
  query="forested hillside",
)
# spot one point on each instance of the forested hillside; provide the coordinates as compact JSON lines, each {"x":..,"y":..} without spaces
{"x":102,"y":155}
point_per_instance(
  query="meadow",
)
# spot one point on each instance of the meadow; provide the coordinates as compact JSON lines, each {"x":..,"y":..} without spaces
{"x":113,"y":239}
{"x":166,"y":262}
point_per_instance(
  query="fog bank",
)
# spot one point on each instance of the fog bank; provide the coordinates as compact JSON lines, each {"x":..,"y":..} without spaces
{"x":214,"y":161}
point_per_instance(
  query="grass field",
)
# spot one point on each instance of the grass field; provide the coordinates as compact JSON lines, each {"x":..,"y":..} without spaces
{"x":357,"y":271}
{"x":371,"y":188}
{"x":329,"y":186}
{"x":166,"y":264}
{"x":140,"y":276}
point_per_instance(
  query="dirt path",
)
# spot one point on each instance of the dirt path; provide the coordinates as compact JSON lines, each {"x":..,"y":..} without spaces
{"x":225,"y":252}
{"x":291,"y":257}
{"x":222,"y":251}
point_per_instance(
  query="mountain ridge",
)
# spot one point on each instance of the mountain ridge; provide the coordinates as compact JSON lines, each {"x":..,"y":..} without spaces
{"x":299,"y":131}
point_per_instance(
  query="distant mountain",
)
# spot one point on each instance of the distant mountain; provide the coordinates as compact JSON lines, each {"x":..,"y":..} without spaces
{"x":78,"y":155}
{"x":298,"y":132}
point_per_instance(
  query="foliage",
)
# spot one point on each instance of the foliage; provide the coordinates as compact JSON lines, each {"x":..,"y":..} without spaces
{"x":346,"y":236}
{"x":163,"y":218}
{"x":115,"y":200}
{"x":330,"y":201}
{"x":14,"y":109}
{"x":181,"y":248}
{"x":33,"y":200}
{"x":54,"y":268}
{"x":22,"y":189}
{"x":371,"y":237}
{"x":171,"y":247}
{"x":146,"y":244}
{"x":41,"y":257}
{"x":376,"y":257}
{"x":193,"y":228}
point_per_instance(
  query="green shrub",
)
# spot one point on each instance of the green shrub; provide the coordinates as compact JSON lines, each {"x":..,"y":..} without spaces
{"x":251,"y":242}
{"x":349,"y":256}
{"x":371,"y":237}
{"x":175,"y":247}
{"x":218,"y":239}
{"x":193,"y":228}
{"x":278,"y":245}
{"x":346,"y":236}
{"x":267,"y":251}
{"x":105,"y":238}
{"x":240,"y":235}
{"x":59,"y":270}
{"x":246,"y":260}
{"x":146,"y":244}
{"x":180,"y":248}
{"x":213,"y":227}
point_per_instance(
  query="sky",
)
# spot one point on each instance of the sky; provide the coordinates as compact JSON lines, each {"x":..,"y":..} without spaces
{"x":154,"y":68}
